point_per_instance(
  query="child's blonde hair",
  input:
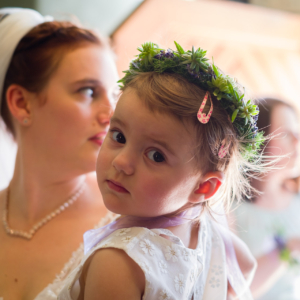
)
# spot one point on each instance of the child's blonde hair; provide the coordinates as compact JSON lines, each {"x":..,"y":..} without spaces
{"x":172,"y":94}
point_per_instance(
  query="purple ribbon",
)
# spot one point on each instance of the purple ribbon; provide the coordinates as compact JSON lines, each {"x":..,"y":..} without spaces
{"x":93,"y":237}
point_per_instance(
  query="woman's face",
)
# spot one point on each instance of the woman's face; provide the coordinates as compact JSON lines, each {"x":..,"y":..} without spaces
{"x":284,"y":123}
{"x":71,"y":116}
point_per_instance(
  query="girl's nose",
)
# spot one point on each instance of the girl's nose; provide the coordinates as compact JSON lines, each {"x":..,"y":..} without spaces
{"x":124,"y":162}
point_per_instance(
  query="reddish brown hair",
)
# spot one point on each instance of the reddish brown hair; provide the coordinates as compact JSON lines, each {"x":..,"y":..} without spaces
{"x":38,"y":55}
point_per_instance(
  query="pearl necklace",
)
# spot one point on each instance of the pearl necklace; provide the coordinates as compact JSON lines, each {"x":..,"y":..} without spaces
{"x":28,"y":235}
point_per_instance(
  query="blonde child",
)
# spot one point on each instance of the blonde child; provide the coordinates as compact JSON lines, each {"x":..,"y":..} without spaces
{"x":180,"y":144}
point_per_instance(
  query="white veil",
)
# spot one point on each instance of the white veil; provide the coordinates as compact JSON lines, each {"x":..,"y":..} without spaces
{"x":15,"y":23}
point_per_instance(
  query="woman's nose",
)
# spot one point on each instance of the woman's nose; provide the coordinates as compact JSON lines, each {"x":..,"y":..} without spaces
{"x":106,"y":109}
{"x":124,"y":162}
{"x":297,"y":136}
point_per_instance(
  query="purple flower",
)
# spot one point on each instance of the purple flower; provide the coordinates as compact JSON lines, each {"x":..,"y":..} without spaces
{"x":280,"y":243}
{"x":188,"y":66}
{"x":169,"y":54}
{"x":191,"y":72}
{"x":160,"y":54}
{"x":254,"y":128}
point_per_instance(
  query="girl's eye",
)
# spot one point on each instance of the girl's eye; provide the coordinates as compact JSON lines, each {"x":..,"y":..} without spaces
{"x":118,"y":137}
{"x":88,"y":92}
{"x":155,"y":156}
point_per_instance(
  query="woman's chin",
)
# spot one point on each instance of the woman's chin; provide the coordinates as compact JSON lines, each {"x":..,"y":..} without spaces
{"x":87,"y":166}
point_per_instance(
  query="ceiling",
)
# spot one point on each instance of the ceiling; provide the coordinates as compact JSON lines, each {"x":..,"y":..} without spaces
{"x":259,"y":46}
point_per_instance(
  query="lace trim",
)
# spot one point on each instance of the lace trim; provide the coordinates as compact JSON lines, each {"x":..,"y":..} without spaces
{"x":55,"y":287}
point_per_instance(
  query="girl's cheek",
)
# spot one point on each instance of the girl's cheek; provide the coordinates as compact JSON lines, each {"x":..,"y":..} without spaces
{"x":154,"y":188}
{"x":102,"y":160}
{"x":147,"y":186}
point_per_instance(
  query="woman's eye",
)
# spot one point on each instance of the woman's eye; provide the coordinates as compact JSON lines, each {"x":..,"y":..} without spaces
{"x":118,"y":137}
{"x":88,"y":92}
{"x":155,"y":156}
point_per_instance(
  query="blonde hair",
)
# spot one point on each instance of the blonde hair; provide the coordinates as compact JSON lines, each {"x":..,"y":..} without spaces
{"x":172,"y":94}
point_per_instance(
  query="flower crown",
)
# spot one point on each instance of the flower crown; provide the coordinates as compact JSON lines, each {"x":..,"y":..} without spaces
{"x":194,"y":67}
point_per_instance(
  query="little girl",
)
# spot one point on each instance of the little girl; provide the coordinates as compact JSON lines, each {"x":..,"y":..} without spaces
{"x":180,"y":143}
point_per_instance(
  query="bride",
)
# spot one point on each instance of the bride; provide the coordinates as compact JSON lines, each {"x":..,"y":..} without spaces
{"x":57,"y":88}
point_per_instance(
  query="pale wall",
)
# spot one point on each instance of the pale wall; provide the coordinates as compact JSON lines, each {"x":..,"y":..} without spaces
{"x":104,"y":15}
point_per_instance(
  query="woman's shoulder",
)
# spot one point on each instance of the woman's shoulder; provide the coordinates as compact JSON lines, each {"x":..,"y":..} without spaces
{"x":2,"y":199}
{"x":3,"y":193}
{"x":72,"y":265}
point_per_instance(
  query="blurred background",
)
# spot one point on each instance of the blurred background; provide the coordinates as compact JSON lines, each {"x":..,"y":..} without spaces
{"x":257,"y":41}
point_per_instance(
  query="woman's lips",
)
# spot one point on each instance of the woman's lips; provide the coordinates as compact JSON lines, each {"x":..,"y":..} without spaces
{"x":98,"y":138}
{"x":116,"y":186}
{"x":97,"y":141}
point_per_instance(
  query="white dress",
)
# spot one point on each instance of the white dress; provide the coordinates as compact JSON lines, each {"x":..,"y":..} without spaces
{"x":172,"y":271}
{"x":53,"y":289}
{"x":257,"y":227}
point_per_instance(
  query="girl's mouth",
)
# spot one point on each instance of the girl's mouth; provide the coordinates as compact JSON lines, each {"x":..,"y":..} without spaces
{"x":116,"y":186}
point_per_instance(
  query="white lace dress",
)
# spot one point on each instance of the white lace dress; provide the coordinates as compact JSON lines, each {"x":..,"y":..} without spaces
{"x":172,"y":271}
{"x":53,"y":289}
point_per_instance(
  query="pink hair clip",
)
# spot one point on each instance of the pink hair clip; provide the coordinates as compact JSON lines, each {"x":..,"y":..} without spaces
{"x":202,"y":117}
{"x":223,"y":151}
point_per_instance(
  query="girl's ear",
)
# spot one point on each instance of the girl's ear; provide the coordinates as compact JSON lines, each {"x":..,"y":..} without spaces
{"x":209,"y":185}
{"x":19,"y":104}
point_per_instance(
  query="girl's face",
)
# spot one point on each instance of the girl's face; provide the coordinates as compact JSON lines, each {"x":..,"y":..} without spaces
{"x":284,"y":122}
{"x":70,"y":124}
{"x":146,"y":165}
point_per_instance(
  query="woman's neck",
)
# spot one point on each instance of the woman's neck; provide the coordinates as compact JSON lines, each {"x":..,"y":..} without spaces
{"x":35,"y":191}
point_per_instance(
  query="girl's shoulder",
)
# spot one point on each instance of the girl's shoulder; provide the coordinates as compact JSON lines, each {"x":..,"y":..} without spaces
{"x":158,"y":254}
{"x":140,"y":239}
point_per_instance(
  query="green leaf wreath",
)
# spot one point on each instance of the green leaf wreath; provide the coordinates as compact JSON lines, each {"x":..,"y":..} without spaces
{"x":194,"y":66}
